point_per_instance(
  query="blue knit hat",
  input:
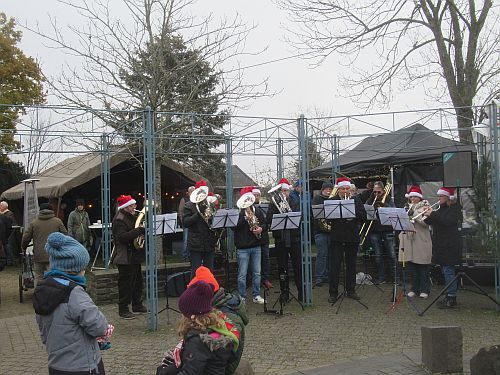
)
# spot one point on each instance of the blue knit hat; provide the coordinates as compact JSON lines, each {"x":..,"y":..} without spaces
{"x":66,"y":253}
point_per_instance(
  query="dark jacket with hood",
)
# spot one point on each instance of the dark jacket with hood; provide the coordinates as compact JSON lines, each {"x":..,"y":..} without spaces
{"x":69,"y":324}
{"x":243,"y":237}
{"x":200,"y":237}
{"x":235,"y":309}
{"x":39,"y":230}
{"x":347,"y":230}
{"x":446,"y":239}
{"x":124,"y":233}
{"x":288,"y":236}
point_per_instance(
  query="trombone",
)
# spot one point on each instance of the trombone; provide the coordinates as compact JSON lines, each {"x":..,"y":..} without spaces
{"x":364,"y":233}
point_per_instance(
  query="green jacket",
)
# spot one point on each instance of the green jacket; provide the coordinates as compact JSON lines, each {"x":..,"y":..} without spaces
{"x":78,"y":226}
{"x":235,"y":309}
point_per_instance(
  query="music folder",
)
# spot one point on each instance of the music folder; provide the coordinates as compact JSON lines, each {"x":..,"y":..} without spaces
{"x":318,"y":211}
{"x":225,"y":218}
{"x":371,"y":212}
{"x":165,"y":223}
{"x":396,"y":217}
{"x":289,"y":220}
{"x":340,"y":209}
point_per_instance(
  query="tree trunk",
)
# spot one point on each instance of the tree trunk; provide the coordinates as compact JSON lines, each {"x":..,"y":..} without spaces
{"x":465,"y":119}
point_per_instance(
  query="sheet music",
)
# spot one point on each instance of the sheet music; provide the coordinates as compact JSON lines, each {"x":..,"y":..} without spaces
{"x":318,"y":211}
{"x":225,"y":218}
{"x":165,"y":223}
{"x":290,"y":220}
{"x":371,"y":212}
{"x":340,"y":209}
{"x":397,"y":218}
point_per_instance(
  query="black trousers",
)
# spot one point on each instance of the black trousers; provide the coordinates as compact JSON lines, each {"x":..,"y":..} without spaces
{"x":129,"y":286}
{"x":347,"y":250}
{"x":283,"y":254}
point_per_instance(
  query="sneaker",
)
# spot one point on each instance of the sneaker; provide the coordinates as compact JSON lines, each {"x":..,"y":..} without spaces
{"x":353,"y":295}
{"x":448,"y":303}
{"x":139,"y":310}
{"x":267,"y":284}
{"x":127,"y":315}
{"x":424,"y":295}
{"x":332,"y":299}
{"x":413,"y":294}
{"x":258,"y":299}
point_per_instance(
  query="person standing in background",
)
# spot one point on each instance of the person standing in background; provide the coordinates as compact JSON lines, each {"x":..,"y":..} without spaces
{"x":78,"y":224}
{"x":185,"y":230}
{"x":9,"y":245}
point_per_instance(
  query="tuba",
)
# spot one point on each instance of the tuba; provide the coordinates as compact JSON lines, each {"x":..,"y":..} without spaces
{"x":245,"y":202}
{"x":279,"y":200}
{"x":204,"y":204}
{"x":140,"y":240}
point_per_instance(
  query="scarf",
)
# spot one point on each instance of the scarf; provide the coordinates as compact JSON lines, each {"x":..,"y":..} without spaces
{"x":80,"y":280}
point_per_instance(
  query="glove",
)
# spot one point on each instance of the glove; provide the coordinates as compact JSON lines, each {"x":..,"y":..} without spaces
{"x":168,"y":359}
{"x":104,"y":345}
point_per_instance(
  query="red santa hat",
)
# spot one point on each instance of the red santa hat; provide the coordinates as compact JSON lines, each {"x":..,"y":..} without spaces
{"x":246,"y":189}
{"x":342,"y":181}
{"x":256,"y":190}
{"x":285,"y":184}
{"x":125,"y":201}
{"x":447,"y":192}
{"x":200,"y":183}
{"x":414,"y":192}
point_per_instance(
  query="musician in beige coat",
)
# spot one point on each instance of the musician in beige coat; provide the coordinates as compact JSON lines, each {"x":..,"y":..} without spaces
{"x":415,"y":247}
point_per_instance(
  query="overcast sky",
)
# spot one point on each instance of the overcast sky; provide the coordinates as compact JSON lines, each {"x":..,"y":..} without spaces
{"x":301,"y":88}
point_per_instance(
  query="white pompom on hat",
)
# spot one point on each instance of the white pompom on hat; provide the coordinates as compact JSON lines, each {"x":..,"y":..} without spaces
{"x":414,"y":191}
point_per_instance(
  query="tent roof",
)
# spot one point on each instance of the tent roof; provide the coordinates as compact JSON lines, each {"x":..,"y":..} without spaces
{"x":414,"y":144}
{"x":75,"y":171}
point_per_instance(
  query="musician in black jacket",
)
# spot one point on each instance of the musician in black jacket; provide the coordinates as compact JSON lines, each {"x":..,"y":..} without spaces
{"x":287,"y":244}
{"x":446,"y":240}
{"x":201,"y":238}
{"x":248,"y":239}
{"x":345,"y":242}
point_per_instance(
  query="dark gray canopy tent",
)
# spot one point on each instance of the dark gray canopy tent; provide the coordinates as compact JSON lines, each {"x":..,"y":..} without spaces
{"x":415,"y":152}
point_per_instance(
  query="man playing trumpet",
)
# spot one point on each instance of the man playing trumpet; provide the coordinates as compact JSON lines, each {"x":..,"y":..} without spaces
{"x":248,"y":239}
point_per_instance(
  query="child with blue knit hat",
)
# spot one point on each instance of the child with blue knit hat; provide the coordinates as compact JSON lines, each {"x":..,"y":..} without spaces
{"x":60,"y":300}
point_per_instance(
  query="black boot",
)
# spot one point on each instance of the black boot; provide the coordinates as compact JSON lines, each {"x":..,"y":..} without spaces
{"x":448,"y":302}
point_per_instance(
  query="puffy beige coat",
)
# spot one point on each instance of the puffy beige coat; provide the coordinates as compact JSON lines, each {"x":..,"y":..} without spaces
{"x":417,"y":245}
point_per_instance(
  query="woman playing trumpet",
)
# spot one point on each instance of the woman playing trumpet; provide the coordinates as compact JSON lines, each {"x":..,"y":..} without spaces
{"x":415,"y":247}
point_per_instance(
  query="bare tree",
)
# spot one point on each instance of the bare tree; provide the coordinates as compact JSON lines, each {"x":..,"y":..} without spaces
{"x":451,"y":47}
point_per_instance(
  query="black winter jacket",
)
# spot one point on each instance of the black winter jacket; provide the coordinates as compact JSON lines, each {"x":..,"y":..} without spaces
{"x":200,"y":237}
{"x":376,"y":226}
{"x":243,"y":237}
{"x":347,"y":230}
{"x":124,"y":232}
{"x":284,"y":236}
{"x":446,"y":239}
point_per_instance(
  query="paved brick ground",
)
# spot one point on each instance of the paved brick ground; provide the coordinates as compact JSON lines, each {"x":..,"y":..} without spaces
{"x":354,"y":341}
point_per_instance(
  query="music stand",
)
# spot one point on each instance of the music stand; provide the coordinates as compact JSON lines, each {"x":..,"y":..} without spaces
{"x":225,"y":218}
{"x":285,"y":221}
{"x":340,"y":209}
{"x":264,"y":207}
{"x":399,"y":220}
{"x":166,"y":224}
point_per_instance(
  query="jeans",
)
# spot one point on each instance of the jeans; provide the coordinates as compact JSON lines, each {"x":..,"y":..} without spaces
{"x":378,"y":246}
{"x":323,"y":244}
{"x":265,"y":265}
{"x":129,"y":286}
{"x":246,"y":257}
{"x":199,"y":258}
{"x":449,"y":274}
{"x":421,"y":281}
{"x":185,"y":252}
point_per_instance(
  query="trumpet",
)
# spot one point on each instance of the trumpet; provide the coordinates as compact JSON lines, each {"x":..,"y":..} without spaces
{"x":279,"y":200}
{"x":412,"y":219}
{"x":245,"y":203}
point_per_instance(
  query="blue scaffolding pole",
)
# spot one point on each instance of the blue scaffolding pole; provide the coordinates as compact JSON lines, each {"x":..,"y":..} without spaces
{"x":105,"y":200}
{"x":229,"y":189}
{"x":306,"y":211}
{"x":495,"y":178}
{"x":150,"y":201}
{"x":279,"y":158}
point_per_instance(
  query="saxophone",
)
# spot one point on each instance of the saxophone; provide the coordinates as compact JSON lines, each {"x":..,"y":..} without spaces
{"x":324,"y":224}
{"x":252,"y":220}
